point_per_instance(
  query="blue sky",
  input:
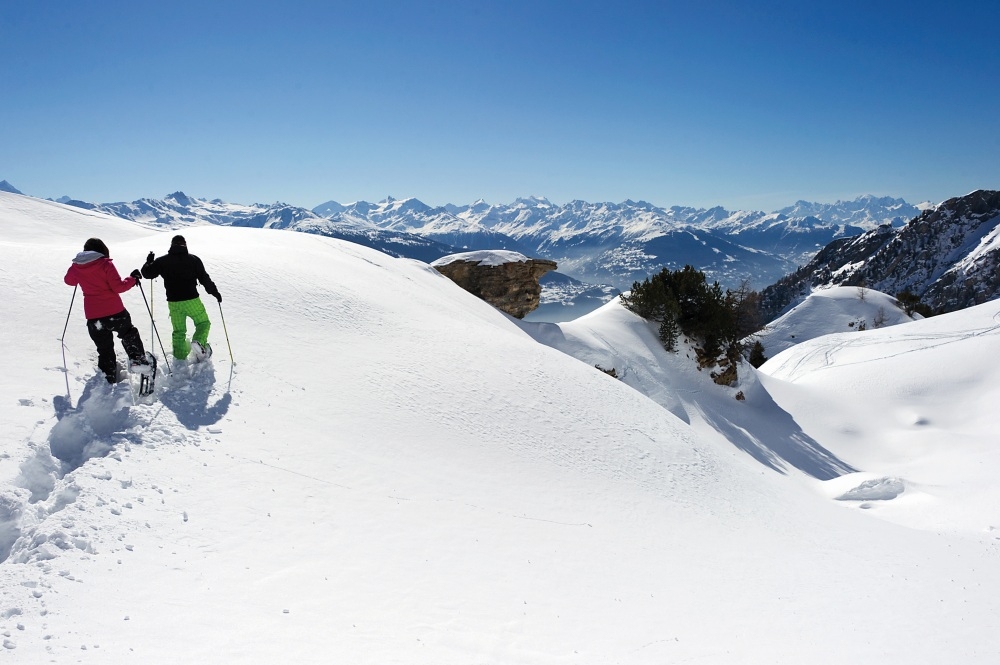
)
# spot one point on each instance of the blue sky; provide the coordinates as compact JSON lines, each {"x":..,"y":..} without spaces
{"x":739,"y":104}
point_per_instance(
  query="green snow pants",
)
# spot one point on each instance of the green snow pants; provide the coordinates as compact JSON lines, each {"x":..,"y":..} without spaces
{"x":180,"y":312}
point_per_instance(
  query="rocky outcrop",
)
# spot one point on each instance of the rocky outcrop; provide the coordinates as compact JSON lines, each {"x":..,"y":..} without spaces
{"x":506,"y":280}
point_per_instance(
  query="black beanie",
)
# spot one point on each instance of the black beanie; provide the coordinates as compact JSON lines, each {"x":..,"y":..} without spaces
{"x":178,"y":240}
{"x":96,"y":245}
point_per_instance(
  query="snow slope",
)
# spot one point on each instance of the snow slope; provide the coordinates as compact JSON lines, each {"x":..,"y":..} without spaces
{"x":393,"y":471}
{"x":898,"y":416}
{"x":916,"y":404}
{"x":830,"y":310}
{"x":614,"y":338}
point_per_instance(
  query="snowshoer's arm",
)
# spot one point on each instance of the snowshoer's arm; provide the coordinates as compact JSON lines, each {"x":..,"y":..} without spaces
{"x":150,"y":270}
{"x":115,"y":281}
{"x":206,"y":281}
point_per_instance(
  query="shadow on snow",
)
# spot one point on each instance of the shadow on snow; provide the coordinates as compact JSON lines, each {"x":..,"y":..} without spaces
{"x":187,"y":394}
{"x":105,"y":416}
{"x":771,"y":436}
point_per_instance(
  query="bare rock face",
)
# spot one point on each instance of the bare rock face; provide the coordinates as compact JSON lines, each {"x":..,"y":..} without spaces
{"x":506,"y":280}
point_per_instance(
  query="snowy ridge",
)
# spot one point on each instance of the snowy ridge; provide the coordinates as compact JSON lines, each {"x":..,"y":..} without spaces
{"x":922,"y":390}
{"x":439,"y":224}
{"x":179,"y":210}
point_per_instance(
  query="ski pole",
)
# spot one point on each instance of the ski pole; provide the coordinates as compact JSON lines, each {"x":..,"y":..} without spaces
{"x":155,"y":331}
{"x":221,"y":316}
{"x":63,"y":338}
{"x":62,"y":341}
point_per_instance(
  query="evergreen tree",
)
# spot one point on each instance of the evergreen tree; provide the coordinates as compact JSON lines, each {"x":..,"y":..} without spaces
{"x":682,"y":301}
{"x":910,"y":302}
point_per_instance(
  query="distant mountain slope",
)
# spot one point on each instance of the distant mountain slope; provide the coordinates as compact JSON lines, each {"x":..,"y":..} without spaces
{"x":7,"y":187}
{"x":863,"y":212}
{"x":438,"y":224}
{"x":948,"y":255}
{"x":718,"y":256}
{"x":564,"y":298}
{"x":178,"y":210}
{"x":622,"y":242}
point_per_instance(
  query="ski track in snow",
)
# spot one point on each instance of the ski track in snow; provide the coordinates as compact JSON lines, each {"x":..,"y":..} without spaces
{"x":806,"y":354}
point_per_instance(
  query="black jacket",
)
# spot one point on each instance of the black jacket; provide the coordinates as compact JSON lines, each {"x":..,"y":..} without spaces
{"x":181,"y":273}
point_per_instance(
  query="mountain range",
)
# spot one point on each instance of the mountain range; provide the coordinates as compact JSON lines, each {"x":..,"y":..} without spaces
{"x":611,"y":244}
{"x":619,"y":243}
{"x":949,"y":256}
{"x":944,"y":254}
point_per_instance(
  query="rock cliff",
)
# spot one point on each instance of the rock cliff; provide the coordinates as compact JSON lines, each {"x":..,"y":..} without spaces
{"x":506,"y":280}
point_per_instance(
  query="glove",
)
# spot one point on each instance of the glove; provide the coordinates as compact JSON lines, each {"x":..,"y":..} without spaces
{"x":150,"y":257}
{"x":218,"y":296}
{"x":136,"y":275}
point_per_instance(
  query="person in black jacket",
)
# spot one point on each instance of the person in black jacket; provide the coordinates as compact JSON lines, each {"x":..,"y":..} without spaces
{"x":181,"y":272}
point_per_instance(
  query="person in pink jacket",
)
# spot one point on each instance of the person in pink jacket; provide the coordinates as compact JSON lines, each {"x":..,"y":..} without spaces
{"x":94,"y":272}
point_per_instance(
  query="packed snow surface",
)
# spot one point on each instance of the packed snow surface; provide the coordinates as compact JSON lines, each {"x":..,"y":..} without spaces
{"x":485,"y":257}
{"x":377,"y":467}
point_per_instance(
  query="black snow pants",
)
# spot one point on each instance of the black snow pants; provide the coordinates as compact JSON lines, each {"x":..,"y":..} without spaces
{"x":100,"y":331}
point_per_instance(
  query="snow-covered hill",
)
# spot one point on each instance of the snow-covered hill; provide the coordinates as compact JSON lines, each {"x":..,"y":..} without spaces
{"x":833,"y":310}
{"x":393,"y":471}
{"x":913,"y":405}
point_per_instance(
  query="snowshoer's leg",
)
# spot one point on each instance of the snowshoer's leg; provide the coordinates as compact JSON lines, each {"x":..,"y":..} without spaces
{"x":105,"y":342}
{"x":180,"y":312}
{"x":201,"y":323}
{"x":178,"y":319}
{"x":129,"y":335}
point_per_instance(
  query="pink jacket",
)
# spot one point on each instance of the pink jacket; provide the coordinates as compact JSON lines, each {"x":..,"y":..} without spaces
{"x":100,"y":282}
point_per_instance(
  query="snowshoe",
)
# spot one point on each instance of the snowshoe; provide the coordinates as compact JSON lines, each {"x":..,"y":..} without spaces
{"x":200,"y":353}
{"x":145,"y":367}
